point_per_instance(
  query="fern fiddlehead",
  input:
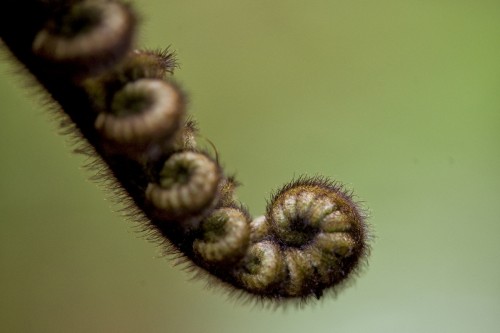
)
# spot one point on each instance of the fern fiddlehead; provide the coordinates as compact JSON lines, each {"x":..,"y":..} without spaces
{"x":313,"y":236}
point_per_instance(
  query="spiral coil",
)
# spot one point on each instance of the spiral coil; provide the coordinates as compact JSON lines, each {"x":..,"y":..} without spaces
{"x":313,"y":236}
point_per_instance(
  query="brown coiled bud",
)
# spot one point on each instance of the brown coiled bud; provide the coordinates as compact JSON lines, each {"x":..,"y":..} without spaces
{"x":321,"y":232}
{"x":188,"y":186}
{"x":261,"y":269}
{"x":224,"y":236}
{"x":86,"y":38}
{"x":144,"y":111}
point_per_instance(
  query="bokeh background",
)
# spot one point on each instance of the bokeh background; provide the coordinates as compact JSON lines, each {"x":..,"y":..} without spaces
{"x":398,"y":99}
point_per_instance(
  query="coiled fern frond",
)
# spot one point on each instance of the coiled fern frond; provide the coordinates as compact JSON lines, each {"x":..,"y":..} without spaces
{"x":124,"y":103}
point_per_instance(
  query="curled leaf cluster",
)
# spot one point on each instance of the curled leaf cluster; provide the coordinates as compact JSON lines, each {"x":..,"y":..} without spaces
{"x":124,"y":102}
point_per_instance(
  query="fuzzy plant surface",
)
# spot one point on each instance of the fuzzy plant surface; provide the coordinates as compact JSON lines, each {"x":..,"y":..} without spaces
{"x":128,"y":113}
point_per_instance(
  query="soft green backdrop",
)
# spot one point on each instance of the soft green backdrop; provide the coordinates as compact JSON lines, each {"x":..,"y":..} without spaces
{"x":399,"y":99}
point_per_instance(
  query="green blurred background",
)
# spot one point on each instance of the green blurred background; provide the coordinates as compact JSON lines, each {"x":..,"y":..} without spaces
{"x":398,"y":99}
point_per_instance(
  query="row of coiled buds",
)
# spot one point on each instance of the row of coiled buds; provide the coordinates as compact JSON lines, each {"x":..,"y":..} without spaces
{"x":313,"y":236}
